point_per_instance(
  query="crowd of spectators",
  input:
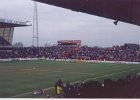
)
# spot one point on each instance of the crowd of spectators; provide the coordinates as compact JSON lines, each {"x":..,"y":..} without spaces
{"x":115,"y":53}
{"x":122,"y":88}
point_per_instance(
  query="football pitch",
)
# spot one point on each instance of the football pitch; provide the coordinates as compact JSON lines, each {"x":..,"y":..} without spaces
{"x":20,"y":78}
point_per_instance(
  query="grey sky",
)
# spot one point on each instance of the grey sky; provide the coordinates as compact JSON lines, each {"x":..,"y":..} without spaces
{"x":62,"y":24}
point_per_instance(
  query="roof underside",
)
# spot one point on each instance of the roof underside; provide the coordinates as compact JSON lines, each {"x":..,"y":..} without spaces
{"x":121,"y":10}
{"x":3,"y":42}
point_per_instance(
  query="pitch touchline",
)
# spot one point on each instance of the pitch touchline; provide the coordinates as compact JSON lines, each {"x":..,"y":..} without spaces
{"x":69,"y":72}
{"x":75,"y":82}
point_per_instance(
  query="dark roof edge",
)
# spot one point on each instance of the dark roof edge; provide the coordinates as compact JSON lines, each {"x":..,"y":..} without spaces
{"x":15,"y":23}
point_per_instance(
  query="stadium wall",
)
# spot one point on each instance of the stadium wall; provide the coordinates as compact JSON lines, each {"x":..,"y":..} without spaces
{"x":98,"y":61}
{"x":69,"y":60}
{"x":19,"y":59}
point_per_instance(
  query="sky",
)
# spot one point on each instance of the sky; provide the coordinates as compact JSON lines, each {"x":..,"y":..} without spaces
{"x":57,"y":23}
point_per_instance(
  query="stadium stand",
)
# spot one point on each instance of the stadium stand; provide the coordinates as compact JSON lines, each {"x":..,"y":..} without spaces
{"x":7,"y":30}
{"x":3,"y":42}
{"x":115,"y":53}
{"x":132,"y":46}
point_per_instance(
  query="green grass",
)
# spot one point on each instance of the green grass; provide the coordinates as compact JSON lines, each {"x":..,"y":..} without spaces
{"x":18,"y":77}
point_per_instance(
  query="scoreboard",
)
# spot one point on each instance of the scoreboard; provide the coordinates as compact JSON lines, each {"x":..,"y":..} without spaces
{"x":69,"y":42}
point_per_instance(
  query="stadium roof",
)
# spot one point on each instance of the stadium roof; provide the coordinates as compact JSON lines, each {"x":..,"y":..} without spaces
{"x":13,"y":23}
{"x":119,"y":10}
